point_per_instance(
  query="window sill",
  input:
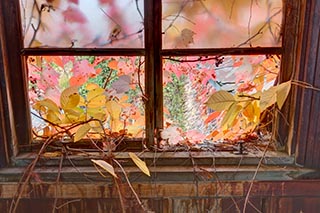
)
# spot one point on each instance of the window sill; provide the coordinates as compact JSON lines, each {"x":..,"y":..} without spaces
{"x":168,"y":167}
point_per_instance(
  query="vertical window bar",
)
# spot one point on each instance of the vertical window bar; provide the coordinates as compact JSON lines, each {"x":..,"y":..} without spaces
{"x":153,"y":70}
{"x":11,"y":48}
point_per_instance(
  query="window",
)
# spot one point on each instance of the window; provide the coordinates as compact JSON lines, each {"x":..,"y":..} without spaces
{"x":170,"y":37}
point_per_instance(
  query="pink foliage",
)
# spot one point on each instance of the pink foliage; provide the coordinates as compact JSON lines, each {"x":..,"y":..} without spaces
{"x":82,"y":71}
{"x":74,"y":15}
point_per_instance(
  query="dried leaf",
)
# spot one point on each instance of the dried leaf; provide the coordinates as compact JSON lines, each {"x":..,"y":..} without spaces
{"x":187,"y":36}
{"x":141,"y":164}
{"x":220,"y":100}
{"x":268,"y":98}
{"x":81,"y":132}
{"x":282,"y":93}
{"x":106,"y":166}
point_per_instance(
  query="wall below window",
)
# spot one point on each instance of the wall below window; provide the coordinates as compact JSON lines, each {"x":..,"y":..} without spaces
{"x":264,"y":196}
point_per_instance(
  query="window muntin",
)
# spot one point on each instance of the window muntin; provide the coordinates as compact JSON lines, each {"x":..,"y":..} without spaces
{"x":111,"y":89}
{"x":167,"y":53}
{"x":221,"y":24}
{"x":82,"y":23}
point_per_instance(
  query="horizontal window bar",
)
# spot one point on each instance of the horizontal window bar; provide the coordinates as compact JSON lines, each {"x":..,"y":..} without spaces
{"x":84,"y":51}
{"x":222,"y":51}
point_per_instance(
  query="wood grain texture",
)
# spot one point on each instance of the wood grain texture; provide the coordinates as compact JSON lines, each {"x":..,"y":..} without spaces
{"x":11,"y":41}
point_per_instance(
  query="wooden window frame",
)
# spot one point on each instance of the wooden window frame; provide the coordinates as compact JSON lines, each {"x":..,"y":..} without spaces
{"x":13,"y":93}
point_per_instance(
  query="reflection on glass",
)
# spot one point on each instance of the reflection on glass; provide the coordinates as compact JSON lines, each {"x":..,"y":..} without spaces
{"x":69,"y":89}
{"x":82,"y":23}
{"x":216,"y":23}
{"x":190,"y":81}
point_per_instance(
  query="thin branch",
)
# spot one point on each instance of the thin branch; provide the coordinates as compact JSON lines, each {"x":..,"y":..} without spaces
{"x":260,"y":29}
{"x":305,"y":85}
{"x":66,"y":203}
{"x":183,"y":5}
{"x":139,"y":79}
{"x":57,"y":183}
{"x":25,"y":178}
{"x":131,"y":187}
{"x":138,"y":9}
{"x":253,"y":178}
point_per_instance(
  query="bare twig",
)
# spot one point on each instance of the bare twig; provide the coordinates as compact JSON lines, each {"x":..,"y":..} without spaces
{"x":254,"y":177}
{"x":57,"y":183}
{"x":67,"y":203}
{"x":131,"y":187}
{"x":260,"y":29}
{"x":26,"y":177}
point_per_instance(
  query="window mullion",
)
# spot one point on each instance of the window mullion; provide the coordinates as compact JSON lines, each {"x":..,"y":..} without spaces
{"x":153,"y":69}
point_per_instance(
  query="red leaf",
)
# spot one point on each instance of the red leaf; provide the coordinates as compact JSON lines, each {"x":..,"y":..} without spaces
{"x":113,"y":64}
{"x":212,"y":116}
{"x":77,"y":80}
{"x":74,"y":15}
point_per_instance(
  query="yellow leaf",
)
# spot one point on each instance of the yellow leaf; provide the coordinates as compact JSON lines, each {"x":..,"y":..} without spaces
{"x":257,"y":112}
{"x":96,"y":126}
{"x":98,"y":101}
{"x":268,"y":98}
{"x":141,"y":164}
{"x":114,"y":109}
{"x":248,"y":112}
{"x":97,"y":113}
{"x":81,"y":132}
{"x":93,"y":93}
{"x":69,"y":98}
{"x":106,"y":166}
{"x":282,"y":93}
{"x":231,"y":114}
{"x":252,"y":112}
{"x":53,"y":117}
{"x":220,"y":100}
{"x":91,"y":86}
{"x":48,"y":103}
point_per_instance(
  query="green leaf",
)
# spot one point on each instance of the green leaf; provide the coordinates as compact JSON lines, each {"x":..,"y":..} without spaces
{"x":81,"y":132}
{"x":220,"y":100}
{"x":141,"y":164}
{"x":282,"y":93}
{"x":106,"y":166}
{"x":231,"y":114}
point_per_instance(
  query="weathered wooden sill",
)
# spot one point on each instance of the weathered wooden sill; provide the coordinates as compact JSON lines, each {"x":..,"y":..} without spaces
{"x":166,"y":167}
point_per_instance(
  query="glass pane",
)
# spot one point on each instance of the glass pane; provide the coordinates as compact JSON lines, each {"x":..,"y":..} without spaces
{"x":65,"y":90}
{"x":190,"y":81}
{"x":82,"y":23}
{"x":217,"y":23}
